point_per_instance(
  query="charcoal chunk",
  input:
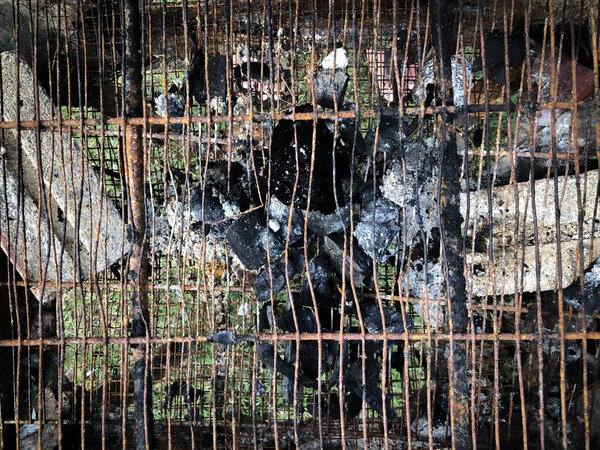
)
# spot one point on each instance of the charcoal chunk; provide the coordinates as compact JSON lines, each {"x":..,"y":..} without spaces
{"x":410,"y":182}
{"x":278,"y":221}
{"x":247,"y":237}
{"x":265,"y":318}
{"x":347,"y":130}
{"x":258,"y":71}
{"x":260,"y":388}
{"x":361,"y":264}
{"x":226,"y":338}
{"x":307,"y":322}
{"x":267,"y":356}
{"x":291,"y":150}
{"x":309,"y":351}
{"x":390,"y":133}
{"x":213,"y":213}
{"x":216,"y":201}
{"x":381,"y":210}
{"x":217,"y":77}
{"x":591,"y":297}
{"x":277,"y":278}
{"x":320,"y":271}
{"x":495,"y":56}
{"x":393,"y":319}
{"x":172,"y":104}
{"x":325,"y":90}
{"x":372,"y":392}
{"x":353,"y":404}
{"x":375,"y":239}
{"x":324,"y":224}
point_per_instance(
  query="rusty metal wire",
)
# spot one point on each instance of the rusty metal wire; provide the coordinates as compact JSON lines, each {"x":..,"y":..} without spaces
{"x":125,"y":322}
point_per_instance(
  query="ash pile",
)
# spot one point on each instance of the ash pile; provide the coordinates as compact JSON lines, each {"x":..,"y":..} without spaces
{"x":309,"y":216}
{"x":310,"y":210}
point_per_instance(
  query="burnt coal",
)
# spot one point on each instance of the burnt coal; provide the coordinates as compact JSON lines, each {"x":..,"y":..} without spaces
{"x":260,"y":388}
{"x":291,"y":152}
{"x":189,"y":394}
{"x":347,"y":130}
{"x":309,"y":352}
{"x":258,"y":71}
{"x":278,"y":221}
{"x":172,"y":104}
{"x":410,"y":182}
{"x":307,"y":323}
{"x":266,"y":354}
{"x":208,"y":210}
{"x":494,"y":55}
{"x":591,"y":297}
{"x":390,"y":129}
{"x":220,"y":203}
{"x":375,"y":239}
{"x":330,"y":406}
{"x":287,"y":384}
{"x":265,"y":318}
{"x":320,"y":271}
{"x":393,"y":319}
{"x":324,"y":224}
{"x":248,"y":237}
{"x":327,"y":90}
{"x":226,"y":338}
{"x":372,"y":392}
{"x":217,"y":77}
{"x":378,"y":227}
{"x":276,"y":279}
{"x":361,"y":263}
{"x":379,"y":210}
{"x":353,"y":404}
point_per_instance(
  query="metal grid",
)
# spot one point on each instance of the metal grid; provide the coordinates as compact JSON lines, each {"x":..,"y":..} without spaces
{"x":515,"y":365}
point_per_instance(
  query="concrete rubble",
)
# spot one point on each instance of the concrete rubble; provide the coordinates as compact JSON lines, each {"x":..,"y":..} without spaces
{"x":79,"y":211}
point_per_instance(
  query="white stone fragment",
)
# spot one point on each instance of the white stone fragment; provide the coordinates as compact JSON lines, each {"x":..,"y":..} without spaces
{"x":341,"y":60}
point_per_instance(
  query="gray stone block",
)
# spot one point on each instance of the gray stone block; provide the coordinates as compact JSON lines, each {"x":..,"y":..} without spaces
{"x":78,"y":210}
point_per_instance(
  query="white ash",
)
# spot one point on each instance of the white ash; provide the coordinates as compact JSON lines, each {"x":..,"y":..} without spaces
{"x":410,"y":182}
{"x":218,"y":105}
{"x":436,"y":315}
{"x":244,"y":309}
{"x":187,"y":241}
{"x":160,"y":233}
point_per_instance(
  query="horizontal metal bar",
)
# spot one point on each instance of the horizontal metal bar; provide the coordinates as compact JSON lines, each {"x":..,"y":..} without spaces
{"x":572,"y":336}
{"x":368,"y":113}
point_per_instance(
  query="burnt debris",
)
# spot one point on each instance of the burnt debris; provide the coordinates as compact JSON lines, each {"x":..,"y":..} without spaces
{"x":172,"y":105}
{"x":216,"y":68}
{"x":495,"y":60}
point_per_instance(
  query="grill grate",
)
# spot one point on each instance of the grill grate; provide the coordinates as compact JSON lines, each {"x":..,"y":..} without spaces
{"x":185,"y":184}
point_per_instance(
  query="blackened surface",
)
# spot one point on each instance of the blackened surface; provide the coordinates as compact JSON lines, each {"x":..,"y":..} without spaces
{"x":248,"y":236}
{"x":334,"y":247}
{"x":451,"y":223}
{"x":494,"y":55}
{"x":6,"y":370}
{"x":320,"y":272}
{"x":326,"y":91}
{"x":276,"y":279}
{"x":293,"y":140}
{"x":265,"y":352}
{"x":393,"y":319}
{"x":217,"y":73}
{"x":369,"y":389}
{"x":142,"y":377}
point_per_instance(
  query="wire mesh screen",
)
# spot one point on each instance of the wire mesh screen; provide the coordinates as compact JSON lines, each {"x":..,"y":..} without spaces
{"x":309,"y":224}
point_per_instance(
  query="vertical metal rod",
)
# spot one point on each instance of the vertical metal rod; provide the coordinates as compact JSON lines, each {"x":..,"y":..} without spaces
{"x":138,"y":267}
{"x":451,"y":220}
